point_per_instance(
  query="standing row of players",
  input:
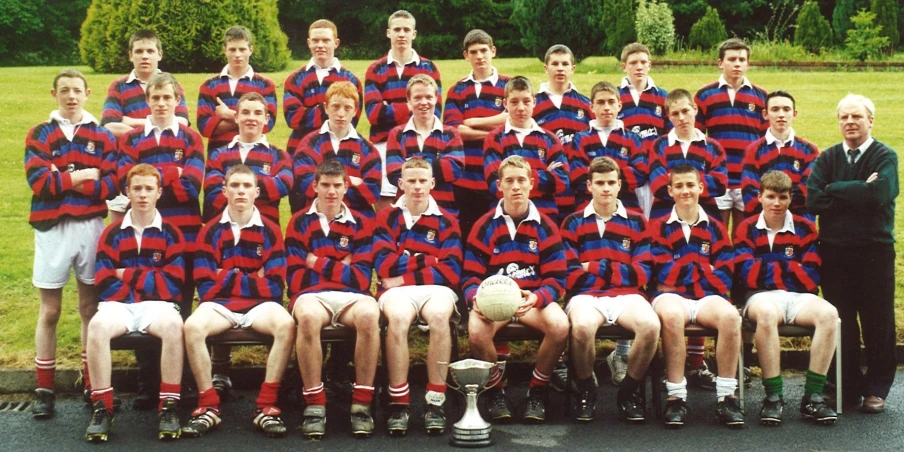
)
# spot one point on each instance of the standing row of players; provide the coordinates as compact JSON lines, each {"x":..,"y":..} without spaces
{"x":489,"y":126}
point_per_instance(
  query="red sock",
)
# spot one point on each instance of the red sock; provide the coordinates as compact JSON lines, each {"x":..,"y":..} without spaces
{"x":696,"y":346}
{"x":87,"y":376}
{"x":436,"y":388}
{"x":363,"y":394}
{"x":539,"y":379}
{"x":495,"y":377}
{"x":502,"y":350}
{"x":169,"y":391}
{"x":45,"y":369}
{"x":400,"y":394}
{"x":315,"y":395}
{"x":268,"y":395}
{"x":105,"y":395}
{"x":209,"y":399}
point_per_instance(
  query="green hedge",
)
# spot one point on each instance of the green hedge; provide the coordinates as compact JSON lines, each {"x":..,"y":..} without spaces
{"x":191,"y":31}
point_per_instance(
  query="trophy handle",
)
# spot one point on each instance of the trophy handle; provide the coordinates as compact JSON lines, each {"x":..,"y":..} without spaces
{"x":449,"y":381}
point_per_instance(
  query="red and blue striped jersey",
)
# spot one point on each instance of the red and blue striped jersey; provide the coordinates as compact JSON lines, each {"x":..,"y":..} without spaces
{"x":274,"y":177}
{"x":625,"y":147}
{"x":426,"y":251}
{"x":647,"y":118}
{"x":385,"y":98}
{"x":619,"y":259}
{"x":348,"y":236}
{"x":540,"y":148}
{"x":462,"y":102}
{"x":535,"y":257}
{"x":305,"y":96}
{"x":793,"y":158}
{"x":126,"y":98}
{"x":153,"y":271}
{"x":696,"y":268}
{"x":705,"y":154}
{"x":239,"y":286}
{"x":179,"y":203}
{"x":442,"y":150}
{"x":570,"y":117}
{"x":53,"y":197}
{"x":735,"y":126}
{"x":791,"y":263}
{"x":356,"y":154}
{"x":217,"y":87}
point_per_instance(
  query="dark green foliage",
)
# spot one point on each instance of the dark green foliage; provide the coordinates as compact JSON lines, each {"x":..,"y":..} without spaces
{"x":655,"y":26}
{"x":441,"y":25}
{"x":864,"y":41}
{"x":39,"y":32}
{"x":841,"y":18}
{"x":707,"y":32}
{"x":544,"y":23}
{"x":619,"y":23}
{"x":743,"y":18}
{"x":887,"y":17}
{"x":191,"y":32}
{"x":813,"y":31}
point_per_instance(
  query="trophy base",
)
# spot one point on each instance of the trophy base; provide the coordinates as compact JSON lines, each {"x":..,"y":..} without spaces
{"x":471,"y":438}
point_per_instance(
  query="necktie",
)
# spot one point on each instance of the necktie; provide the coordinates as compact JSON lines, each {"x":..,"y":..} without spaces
{"x":853,"y":153}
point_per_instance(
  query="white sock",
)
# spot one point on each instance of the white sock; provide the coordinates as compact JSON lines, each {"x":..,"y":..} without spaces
{"x":678,"y":390}
{"x":725,"y":387}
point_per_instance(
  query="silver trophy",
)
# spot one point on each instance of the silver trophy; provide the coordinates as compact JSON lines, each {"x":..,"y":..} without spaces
{"x":471,"y":376}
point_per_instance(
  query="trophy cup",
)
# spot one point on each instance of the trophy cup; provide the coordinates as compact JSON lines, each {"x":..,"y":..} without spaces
{"x":471,"y":376}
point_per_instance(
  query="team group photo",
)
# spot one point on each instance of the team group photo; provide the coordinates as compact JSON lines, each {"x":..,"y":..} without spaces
{"x":454,"y":247}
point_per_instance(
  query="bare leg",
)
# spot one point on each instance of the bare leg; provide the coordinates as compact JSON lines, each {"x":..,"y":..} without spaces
{"x":364,"y":317}
{"x":276,"y":322}
{"x":311,"y":317}
{"x":200,"y":325}
{"x":585,"y":321}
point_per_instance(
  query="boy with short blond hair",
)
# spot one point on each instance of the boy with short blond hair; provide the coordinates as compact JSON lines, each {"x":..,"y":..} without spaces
{"x":219,"y":95}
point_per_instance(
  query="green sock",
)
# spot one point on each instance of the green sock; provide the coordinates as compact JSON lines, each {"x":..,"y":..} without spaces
{"x":775,"y":385}
{"x":815,"y":383}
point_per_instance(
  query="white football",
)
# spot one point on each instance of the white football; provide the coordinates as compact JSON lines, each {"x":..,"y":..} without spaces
{"x":499,"y":297}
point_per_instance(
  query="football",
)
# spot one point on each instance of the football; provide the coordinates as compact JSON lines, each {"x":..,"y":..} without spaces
{"x":499,"y":297}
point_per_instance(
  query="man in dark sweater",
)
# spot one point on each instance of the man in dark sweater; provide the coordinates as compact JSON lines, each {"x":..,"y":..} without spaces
{"x":852,"y":188}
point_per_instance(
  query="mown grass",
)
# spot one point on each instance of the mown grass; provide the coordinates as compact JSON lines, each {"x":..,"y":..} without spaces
{"x":27,"y":101}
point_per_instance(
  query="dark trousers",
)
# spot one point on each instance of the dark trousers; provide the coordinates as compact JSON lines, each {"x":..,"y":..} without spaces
{"x":860,"y":282}
{"x":471,"y":205}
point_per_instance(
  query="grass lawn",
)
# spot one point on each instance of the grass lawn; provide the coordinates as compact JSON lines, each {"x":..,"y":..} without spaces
{"x":28,"y":102}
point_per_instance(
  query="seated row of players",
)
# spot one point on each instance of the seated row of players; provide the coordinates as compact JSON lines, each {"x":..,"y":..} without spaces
{"x":604,"y":257}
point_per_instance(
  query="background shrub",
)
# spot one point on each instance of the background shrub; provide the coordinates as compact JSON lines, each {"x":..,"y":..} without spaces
{"x":813,"y":31}
{"x":191,"y":31}
{"x":864,"y":41}
{"x":886,"y":12}
{"x":39,"y":32}
{"x":618,"y":21}
{"x":544,"y":23}
{"x":655,"y":26}
{"x":707,"y":32}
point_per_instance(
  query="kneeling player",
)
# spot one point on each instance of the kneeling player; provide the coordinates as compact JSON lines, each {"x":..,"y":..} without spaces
{"x":330,"y":263}
{"x":417,"y":248}
{"x":609,"y":262}
{"x":139,"y":275}
{"x":240,"y":269}
{"x":693,"y":264}
{"x":779,"y":268}
{"x":516,"y":240}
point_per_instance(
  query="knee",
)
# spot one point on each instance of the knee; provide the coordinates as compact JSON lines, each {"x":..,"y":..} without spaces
{"x":50,"y":315}
{"x":671,"y":318}
{"x":172,"y":328}
{"x":557,"y":329}
{"x":284,"y":329}
{"x":193,"y":331}
{"x":729,"y":322}
{"x":397,"y":324}
{"x":582,"y":329}
{"x":479,"y":332}
{"x":436,"y":319}
{"x":367,"y":316}
{"x":647,"y":330}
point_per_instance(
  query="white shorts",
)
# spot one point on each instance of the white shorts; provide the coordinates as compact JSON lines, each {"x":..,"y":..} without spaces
{"x":68,"y":244}
{"x":137,"y":316}
{"x":610,"y":307}
{"x":386,"y":189}
{"x":789,"y":303}
{"x":238,"y":320}
{"x":693,"y":306}
{"x":118,"y":204}
{"x":645,"y":198}
{"x":732,"y":199}
{"x":334,"y":302}
{"x":418,"y":296}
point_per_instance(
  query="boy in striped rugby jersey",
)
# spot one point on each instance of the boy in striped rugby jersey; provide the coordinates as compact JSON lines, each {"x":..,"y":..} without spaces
{"x":609,"y":263}
{"x":778,"y":266}
{"x":330,"y":264}
{"x":240,"y":270}
{"x":140,"y":270}
{"x":692,"y":268}
{"x":219,"y":95}
{"x":517,"y":240}
{"x":70,"y":166}
{"x":417,"y":248}
{"x":425,"y":137}
{"x":385,"y":83}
